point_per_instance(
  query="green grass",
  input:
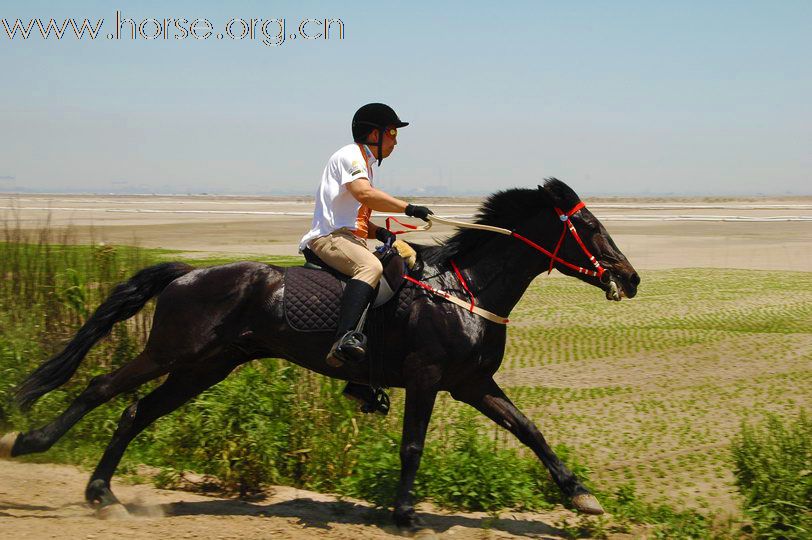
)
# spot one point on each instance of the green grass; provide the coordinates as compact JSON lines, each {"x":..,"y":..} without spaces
{"x":277,"y":260}
{"x":773,"y":466}
{"x":660,"y":383}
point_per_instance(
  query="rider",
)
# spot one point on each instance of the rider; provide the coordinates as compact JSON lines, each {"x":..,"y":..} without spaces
{"x":345,"y":200}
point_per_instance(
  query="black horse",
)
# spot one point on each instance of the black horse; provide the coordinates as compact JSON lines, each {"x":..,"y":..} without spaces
{"x":210,"y":320}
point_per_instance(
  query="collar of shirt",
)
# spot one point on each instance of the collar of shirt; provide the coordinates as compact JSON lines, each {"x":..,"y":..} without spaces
{"x":372,"y":162}
{"x":369,"y":155}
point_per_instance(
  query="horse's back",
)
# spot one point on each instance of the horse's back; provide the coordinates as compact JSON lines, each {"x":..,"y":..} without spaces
{"x":210,"y":306}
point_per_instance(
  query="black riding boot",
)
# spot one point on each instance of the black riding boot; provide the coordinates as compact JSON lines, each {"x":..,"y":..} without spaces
{"x":351,"y":345}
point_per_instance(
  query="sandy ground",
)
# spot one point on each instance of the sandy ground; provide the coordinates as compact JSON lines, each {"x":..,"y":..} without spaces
{"x":653,"y":233}
{"x":45,"y":501}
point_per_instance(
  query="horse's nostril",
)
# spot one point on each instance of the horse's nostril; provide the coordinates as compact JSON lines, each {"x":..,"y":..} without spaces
{"x":634,"y":279}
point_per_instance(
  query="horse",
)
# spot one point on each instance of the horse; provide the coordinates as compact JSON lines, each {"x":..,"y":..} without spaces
{"x":210,"y":320}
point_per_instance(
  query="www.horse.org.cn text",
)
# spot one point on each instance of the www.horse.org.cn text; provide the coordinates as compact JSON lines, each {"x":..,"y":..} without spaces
{"x":272,"y":32}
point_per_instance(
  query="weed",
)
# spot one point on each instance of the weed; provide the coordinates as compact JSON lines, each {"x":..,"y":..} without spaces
{"x":773,"y":467}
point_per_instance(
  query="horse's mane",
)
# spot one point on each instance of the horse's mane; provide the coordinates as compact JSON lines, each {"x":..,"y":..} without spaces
{"x":506,"y":209}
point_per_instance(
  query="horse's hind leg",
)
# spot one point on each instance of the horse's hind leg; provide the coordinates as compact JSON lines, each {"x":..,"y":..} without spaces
{"x":490,"y":400}
{"x":100,"y":390}
{"x":179,"y":387}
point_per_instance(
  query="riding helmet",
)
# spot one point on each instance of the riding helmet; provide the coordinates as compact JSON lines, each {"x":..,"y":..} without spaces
{"x":374,"y":116}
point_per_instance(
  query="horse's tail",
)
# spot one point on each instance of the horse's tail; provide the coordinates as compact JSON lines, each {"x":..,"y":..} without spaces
{"x":126,"y":300}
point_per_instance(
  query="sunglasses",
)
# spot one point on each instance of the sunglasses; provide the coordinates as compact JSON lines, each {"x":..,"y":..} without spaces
{"x":392,"y":131}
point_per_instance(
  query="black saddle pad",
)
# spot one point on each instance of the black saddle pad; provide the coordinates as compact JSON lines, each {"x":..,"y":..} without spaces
{"x":311,"y":299}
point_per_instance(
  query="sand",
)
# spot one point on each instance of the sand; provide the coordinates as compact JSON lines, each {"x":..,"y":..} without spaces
{"x":254,"y":227}
{"x":43,"y":501}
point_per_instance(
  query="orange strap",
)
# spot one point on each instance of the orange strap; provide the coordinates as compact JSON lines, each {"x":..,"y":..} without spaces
{"x":364,"y":212}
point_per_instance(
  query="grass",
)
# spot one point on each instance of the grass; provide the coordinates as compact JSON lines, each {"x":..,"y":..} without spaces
{"x":653,"y":390}
{"x":773,"y":467}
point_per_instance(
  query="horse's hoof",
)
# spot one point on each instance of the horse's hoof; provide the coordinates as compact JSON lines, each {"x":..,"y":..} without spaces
{"x":587,"y":504}
{"x":410,"y":524}
{"x":7,"y":443}
{"x":112,"y":511}
{"x":414,"y":531}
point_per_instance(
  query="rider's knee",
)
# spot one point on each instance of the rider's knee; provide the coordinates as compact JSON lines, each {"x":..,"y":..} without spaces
{"x":377,"y":267}
{"x":370,"y":272}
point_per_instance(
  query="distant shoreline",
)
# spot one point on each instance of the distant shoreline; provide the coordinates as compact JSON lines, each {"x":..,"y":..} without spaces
{"x":308,"y":199}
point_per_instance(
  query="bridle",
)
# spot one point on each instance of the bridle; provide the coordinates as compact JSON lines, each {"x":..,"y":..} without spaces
{"x":553,"y":255}
{"x":568,"y":226}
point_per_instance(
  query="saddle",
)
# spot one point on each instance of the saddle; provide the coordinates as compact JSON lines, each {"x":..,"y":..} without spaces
{"x":312,"y":294}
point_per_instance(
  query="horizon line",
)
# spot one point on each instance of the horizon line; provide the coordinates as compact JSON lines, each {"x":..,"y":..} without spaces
{"x":394,"y":193}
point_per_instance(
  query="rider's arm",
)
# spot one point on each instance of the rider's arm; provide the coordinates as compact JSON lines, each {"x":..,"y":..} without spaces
{"x":375,"y":199}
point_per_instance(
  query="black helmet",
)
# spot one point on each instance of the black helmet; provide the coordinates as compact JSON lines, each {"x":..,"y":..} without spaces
{"x":374,"y":116}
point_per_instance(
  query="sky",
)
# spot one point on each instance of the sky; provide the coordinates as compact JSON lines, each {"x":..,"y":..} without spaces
{"x":615,"y":98}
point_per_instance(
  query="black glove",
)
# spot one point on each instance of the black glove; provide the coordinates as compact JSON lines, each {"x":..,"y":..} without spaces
{"x":386,"y":236}
{"x":421,"y":212}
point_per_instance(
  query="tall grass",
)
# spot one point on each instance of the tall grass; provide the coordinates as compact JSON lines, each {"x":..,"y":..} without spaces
{"x":773,"y":467}
{"x":48,"y":286}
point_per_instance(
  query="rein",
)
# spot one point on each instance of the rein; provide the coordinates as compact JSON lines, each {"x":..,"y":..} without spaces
{"x":472,"y":307}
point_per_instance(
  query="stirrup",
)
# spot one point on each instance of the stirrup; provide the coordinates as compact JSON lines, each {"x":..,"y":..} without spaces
{"x":351,"y":348}
{"x":372,"y":400}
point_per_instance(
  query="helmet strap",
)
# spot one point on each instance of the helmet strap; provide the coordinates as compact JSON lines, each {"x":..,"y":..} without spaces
{"x":380,"y":145}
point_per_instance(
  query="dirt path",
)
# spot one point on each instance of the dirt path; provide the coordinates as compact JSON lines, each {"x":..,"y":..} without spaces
{"x":45,"y":501}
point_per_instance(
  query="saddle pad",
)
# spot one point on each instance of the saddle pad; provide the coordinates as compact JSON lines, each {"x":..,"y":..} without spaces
{"x":312,"y":299}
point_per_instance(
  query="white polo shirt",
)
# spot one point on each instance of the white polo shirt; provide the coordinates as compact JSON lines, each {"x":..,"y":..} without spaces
{"x":335,"y":205}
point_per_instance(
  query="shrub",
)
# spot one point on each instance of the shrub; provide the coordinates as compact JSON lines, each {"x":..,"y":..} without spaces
{"x":626,"y":507}
{"x":773,"y":468}
{"x":377,"y":471}
{"x":237,"y":431}
{"x":465,"y":470}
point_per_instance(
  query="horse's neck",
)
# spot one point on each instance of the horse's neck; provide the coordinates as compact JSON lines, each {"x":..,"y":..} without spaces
{"x":499,"y":273}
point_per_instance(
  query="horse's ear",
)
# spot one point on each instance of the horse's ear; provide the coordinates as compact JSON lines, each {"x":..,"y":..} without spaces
{"x":546,"y":197}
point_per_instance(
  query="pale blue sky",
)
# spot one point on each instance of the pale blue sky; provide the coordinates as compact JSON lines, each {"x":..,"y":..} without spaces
{"x":612,"y":97}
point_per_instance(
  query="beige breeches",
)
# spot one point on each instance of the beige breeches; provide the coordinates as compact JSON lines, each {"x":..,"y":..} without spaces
{"x":348,"y":254}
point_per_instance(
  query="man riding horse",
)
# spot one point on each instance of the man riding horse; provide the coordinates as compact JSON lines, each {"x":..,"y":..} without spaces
{"x":345,"y":200}
{"x":210,"y":320}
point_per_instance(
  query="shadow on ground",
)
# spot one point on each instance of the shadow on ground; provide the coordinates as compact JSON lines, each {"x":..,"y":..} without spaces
{"x":322,"y":515}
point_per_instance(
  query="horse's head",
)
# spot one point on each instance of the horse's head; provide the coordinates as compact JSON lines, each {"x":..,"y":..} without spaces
{"x":615,"y":274}
{"x":535,"y":217}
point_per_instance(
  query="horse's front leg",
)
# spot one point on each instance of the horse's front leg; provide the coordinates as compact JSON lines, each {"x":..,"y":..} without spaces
{"x":419,"y":405}
{"x":490,"y":400}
